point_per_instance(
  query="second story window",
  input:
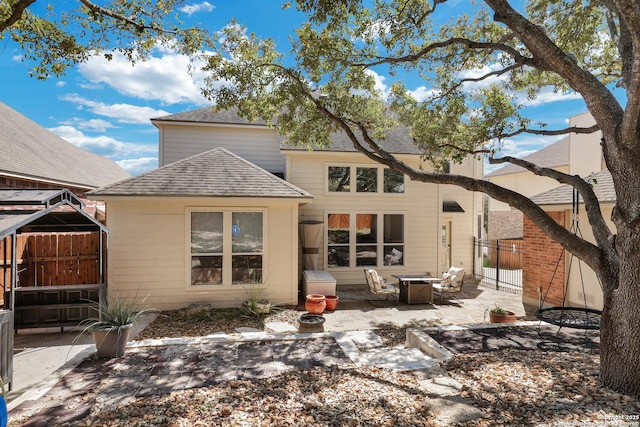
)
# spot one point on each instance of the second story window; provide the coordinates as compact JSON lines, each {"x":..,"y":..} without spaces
{"x":367,"y":180}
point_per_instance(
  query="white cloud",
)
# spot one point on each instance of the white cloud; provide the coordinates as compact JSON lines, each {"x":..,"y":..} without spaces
{"x":379,"y":82}
{"x":547,"y":95}
{"x":422,"y":93}
{"x":480,"y":72}
{"x":103,"y":145}
{"x":123,"y":113}
{"x":93,"y":125}
{"x":190,"y":9}
{"x":17,"y":58}
{"x":60,"y":83}
{"x":138,"y":166}
{"x":165,"y":78}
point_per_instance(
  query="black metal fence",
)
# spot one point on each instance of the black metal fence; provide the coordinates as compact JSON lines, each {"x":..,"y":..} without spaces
{"x":498,"y":264}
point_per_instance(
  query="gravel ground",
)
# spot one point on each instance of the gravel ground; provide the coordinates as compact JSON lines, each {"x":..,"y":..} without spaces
{"x":510,"y":387}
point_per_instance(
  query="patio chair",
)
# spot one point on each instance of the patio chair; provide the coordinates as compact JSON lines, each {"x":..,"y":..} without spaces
{"x":378,"y":286}
{"x":451,"y":283}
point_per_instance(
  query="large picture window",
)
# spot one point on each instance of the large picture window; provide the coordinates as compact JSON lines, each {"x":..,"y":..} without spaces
{"x":365,"y":240}
{"x":366,"y":179}
{"x":226,"y":248}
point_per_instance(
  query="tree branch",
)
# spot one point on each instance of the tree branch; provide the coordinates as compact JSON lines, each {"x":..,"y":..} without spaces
{"x":16,"y":13}
{"x":601,"y":231}
{"x":548,"y":56}
{"x":492,"y":46}
{"x":555,"y":132}
{"x":99,"y":10}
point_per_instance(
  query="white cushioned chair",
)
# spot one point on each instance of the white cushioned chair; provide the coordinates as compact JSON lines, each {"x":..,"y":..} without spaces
{"x":378,"y":286}
{"x":451,"y":283}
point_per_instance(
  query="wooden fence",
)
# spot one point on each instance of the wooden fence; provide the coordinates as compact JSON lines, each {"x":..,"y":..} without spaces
{"x":52,"y":259}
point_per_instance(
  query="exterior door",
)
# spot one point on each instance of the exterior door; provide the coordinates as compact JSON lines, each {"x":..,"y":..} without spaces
{"x":445,"y":247}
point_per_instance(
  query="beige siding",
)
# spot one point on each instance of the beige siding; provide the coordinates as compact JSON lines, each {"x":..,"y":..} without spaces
{"x":524,"y":183}
{"x":421,"y":204}
{"x":585,"y":153}
{"x":464,"y":225}
{"x":582,"y":275}
{"x":260,"y":146}
{"x":148,"y":251}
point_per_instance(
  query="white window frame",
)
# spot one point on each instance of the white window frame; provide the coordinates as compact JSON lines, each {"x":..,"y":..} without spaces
{"x":380,"y":244}
{"x":353,"y":175}
{"x":227,"y":253}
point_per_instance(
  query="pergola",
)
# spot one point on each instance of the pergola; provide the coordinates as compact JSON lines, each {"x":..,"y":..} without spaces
{"x":37,"y":211}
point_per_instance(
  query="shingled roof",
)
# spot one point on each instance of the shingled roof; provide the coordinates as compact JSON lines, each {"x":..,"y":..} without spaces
{"x":214,"y":173}
{"x":30,"y":151}
{"x":562,"y":195}
{"x":398,"y":141}
{"x":554,"y":155}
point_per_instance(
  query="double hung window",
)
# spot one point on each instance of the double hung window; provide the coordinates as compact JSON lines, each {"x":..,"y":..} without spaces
{"x":226,"y":247}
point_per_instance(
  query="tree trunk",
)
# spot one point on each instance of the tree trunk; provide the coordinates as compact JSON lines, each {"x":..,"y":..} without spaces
{"x":620,"y":324}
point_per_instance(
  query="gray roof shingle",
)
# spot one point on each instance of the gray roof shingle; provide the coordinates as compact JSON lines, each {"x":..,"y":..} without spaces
{"x":603,"y":187}
{"x":31,"y":151}
{"x":554,"y":155}
{"x":209,"y":115}
{"x":214,"y":173}
{"x":399,"y":140}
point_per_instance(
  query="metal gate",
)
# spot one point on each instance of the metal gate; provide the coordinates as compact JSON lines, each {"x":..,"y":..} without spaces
{"x":6,"y":347}
{"x":498,"y":264}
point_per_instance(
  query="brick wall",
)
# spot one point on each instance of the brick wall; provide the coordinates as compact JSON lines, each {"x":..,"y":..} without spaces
{"x":541,"y":256}
{"x":23,"y":183}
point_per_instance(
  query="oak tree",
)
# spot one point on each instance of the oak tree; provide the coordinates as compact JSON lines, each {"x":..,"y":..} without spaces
{"x":478,"y":63}
{"x":59,"y":35}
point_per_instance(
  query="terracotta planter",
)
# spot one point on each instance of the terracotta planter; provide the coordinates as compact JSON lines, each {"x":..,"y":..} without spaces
{"x":332,"y":302}
{"x":502,"y":318}
{"x":311,"y":323}
{"x":112,"y":342}
{"x":315,"y":303}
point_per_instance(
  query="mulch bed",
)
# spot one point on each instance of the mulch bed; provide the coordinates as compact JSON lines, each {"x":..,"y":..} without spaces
{"x":543,"y":338}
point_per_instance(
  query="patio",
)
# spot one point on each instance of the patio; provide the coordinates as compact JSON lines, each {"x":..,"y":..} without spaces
{"x":359,"y":309}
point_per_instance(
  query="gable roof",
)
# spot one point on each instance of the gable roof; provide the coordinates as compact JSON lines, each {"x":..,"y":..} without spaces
{"x":209,"y":115}
{"x":563,"y":195}
{"x":28,"y":150}
{"x":214,"y":173}
{"x":399,"y":139}
{"x":554,"y":155}
{"x":43,"y":211}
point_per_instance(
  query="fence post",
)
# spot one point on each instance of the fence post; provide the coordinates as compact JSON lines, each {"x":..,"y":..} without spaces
{"x":497,"y":264}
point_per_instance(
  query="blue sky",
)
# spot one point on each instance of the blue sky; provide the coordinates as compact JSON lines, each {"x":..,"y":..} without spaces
{"x":105,"y":107}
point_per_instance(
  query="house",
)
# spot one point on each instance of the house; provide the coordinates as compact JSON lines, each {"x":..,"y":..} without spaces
{"x":219,"y":170}
{"x":505,"y":223}
{"x":550,"y":275}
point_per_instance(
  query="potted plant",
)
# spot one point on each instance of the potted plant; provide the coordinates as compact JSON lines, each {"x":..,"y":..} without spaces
{"x":256,"y":304}
{"x":112,"y":328}
{"x":500,"y":315}
{"x":311,"y":323}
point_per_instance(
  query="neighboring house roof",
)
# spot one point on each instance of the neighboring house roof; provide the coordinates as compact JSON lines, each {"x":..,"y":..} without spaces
{"x":27,"y":150}
{"x":554,"y":155}
{"x":602,"y":186}
{"x":399,"y":140}
{"x":214,"y":173}
{"x":505,"y":225}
